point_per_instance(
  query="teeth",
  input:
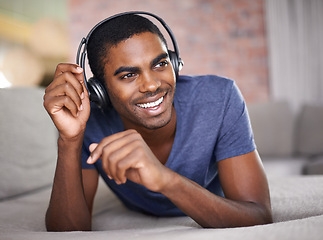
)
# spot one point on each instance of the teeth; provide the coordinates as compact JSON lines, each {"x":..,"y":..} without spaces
{"x":151,"y":104}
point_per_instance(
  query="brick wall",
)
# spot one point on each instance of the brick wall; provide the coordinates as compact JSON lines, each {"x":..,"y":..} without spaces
{"x":223,"y":37}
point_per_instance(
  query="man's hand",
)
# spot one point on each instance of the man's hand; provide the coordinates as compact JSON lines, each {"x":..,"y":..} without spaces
{"x":125,"y":155}
{"x":67,"y":101}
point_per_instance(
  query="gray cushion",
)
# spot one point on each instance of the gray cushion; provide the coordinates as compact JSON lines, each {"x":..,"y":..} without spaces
{"x":287,"y":166}
{"x":314,"y":166}
{"x":273,"y":125}
{"x":27,"y":142}
{"x":310,"y":131}
{"x":296,"y":203}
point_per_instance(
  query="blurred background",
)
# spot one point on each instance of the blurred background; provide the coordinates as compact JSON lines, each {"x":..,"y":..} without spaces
{"x":33,"y":38}
{"x":271,"y":48}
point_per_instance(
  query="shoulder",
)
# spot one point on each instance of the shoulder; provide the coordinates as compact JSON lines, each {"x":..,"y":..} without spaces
{"x":193,"y":81}
{"x":204,"y":88}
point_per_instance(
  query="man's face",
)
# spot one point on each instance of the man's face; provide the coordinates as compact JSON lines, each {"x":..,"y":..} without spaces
{"x":141,"y":81}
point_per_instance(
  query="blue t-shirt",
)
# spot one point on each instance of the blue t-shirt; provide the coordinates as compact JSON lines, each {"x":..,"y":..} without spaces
{"x":212,"y":125}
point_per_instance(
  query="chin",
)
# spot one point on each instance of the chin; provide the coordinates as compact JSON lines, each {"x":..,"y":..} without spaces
{"x":157,"y":125}
{"x":158,"y":121}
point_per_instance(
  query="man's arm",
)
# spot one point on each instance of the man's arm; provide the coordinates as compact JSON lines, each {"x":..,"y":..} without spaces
{"x":70,"y":207}
{"x":125,"y":155}
{"x":67,"y":102}
{"x":246,"y":202}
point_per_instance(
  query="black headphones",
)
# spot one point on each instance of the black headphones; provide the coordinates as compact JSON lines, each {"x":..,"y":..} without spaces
{"x":97,"y":92}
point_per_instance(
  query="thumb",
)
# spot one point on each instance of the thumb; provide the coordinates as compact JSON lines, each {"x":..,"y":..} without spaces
{"x":93,"y":146}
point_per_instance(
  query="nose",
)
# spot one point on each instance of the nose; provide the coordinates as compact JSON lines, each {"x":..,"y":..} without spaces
{"x":149,"y":83}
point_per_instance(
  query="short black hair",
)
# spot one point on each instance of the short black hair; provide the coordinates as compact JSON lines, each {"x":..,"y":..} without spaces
{"x":111,"y":33}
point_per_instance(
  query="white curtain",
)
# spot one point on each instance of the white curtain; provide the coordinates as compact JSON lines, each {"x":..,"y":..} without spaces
{"x":295,"y":40}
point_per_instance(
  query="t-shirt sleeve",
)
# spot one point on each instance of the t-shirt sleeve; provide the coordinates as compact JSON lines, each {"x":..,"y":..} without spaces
{"x":235,"y":136}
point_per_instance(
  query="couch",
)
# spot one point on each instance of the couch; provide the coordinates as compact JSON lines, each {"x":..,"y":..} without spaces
{"x":289,"y":141}
{"x":28,"y":155}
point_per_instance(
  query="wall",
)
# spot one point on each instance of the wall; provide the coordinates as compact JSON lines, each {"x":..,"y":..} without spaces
{"x":295,"y":35}
{"x":223,"y":37}
{"x":33,"y":37}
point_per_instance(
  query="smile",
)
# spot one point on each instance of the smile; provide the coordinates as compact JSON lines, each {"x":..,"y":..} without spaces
{"x":151,"y":104}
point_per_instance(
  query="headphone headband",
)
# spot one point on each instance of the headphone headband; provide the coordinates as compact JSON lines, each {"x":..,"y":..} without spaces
{"x":167,"y":28}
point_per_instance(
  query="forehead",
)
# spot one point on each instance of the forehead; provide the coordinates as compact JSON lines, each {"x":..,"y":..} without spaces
{"x":137,"y":48}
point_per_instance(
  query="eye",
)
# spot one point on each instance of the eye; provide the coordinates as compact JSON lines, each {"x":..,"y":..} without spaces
{"x":162,"y":64}
{"x":128,"y":76}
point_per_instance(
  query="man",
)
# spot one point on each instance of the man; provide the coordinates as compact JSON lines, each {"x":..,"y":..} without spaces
{"x":161,"y":151}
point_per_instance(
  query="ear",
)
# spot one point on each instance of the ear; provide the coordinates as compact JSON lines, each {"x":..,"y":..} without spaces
{"x":99,"y":94}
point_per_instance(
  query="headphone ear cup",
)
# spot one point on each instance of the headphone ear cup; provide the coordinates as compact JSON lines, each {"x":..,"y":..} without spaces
{"x":174,"y":61}
{"x":98,"y":94}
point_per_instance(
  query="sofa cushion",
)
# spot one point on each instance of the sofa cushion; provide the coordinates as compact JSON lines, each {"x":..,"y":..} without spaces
{"x":273,"y":126}
{"x":310,"y":131}
{"x":27,"y":142}
{"x":296,"y":203}
{"x":287,"y":166}
{"x":314,"y":166}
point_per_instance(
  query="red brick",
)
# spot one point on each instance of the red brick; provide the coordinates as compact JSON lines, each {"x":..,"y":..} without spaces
{"x":223,"y":37}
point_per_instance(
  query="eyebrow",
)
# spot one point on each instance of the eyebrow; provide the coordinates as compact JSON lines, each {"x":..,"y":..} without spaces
{"x":125,"y":69}
{"x":158,"y":58}
{"x":137,"y":69}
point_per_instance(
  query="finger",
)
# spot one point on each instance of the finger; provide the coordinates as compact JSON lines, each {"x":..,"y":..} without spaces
{"x":67,"y":89}
{"x":64,"y":78}
{"x":69,"y":104}
{"x":67,"y":67}
{"x":123,"y":167}
{"x":67,"y":73}
{"x":116,"y":151}
{"x":121,"y":160}
{"x":85,"y":94}
{"x":92,"y":147}
{"x":55,"y":104}
{"x":97,"y":152}
{"x":115,"y":146}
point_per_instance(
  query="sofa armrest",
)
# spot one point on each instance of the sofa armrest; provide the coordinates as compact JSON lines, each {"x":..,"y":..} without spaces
{"x":27,"y":142}
{"x":314,"y":166}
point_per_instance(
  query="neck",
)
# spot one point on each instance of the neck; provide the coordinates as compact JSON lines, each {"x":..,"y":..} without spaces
{"x":160,"y":136}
